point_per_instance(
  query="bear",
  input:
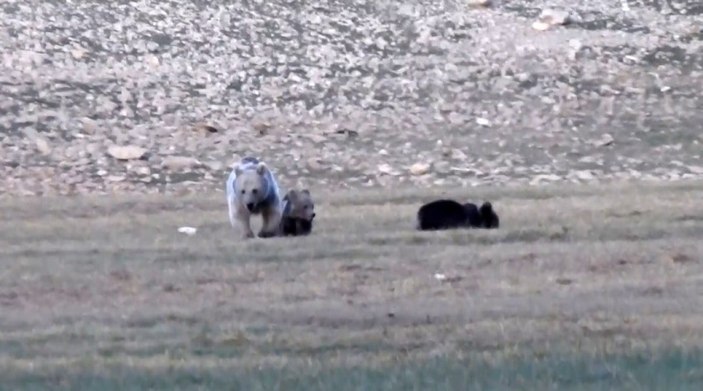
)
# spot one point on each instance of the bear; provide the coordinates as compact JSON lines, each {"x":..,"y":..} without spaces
{"x":252,"y":189}
{"x":298,"y":213}
{"x":449,"y":214}
{"x":483,"y":216}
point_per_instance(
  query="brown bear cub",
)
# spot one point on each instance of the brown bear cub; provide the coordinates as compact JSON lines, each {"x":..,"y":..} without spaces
{"x":450,"y":214}
{"x":298,"y":213}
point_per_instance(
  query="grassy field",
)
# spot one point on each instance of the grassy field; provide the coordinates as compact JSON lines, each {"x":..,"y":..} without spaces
{"x":581,"y":288}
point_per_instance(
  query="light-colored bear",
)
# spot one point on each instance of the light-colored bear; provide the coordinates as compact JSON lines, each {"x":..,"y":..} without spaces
{"x":251,"y":190}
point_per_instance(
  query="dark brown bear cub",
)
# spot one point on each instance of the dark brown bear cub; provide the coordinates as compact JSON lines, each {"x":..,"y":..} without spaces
{"x":298,"y":213}
{"x":482,"y":217}
{"x":450,"y":214}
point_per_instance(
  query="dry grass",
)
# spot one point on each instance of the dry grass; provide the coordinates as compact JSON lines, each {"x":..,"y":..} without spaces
{"x":90,"y":284}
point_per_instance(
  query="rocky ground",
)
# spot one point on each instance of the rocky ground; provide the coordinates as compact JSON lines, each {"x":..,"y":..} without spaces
{"x":160,"y":96}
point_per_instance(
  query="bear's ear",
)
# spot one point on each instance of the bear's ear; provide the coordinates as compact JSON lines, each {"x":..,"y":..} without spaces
{"x":238,"y":169}
{"x":292,"y":195}
{"x":261,"y":168}
{"x":306,"y":192}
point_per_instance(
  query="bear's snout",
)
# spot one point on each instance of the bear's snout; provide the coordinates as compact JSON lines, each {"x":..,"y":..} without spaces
{"x":250,"y":206}
{"x":312,"y":217}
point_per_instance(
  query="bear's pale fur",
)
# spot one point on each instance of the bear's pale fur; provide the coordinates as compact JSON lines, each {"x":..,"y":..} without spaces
{"x":252,"y":190}
{"x":298,"y":213}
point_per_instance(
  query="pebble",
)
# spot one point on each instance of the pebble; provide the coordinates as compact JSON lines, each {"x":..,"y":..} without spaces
{"x":317,"y":138}
{"x":585,"y":175}
{"x":606,"y":140}
{"x":545,"y":178}
{"x":479,"y":3}
{"x":142,"y":170}
{"x":483,"y":121}
{"x":190,"y":231}
{"x":180,"y":162}
{"x":89,"y":125}
{"x":42,"y":146}
{"x":442,"y":167}
{"x":314,"y":164}
{"x":420,"y":168}
{"x":205,"y":129}
{"x":550,"y":17}
{"x":115,"y":178}
{"x":215,"y":165}
{"x":386,"y":169}
{"x":458,"y":154}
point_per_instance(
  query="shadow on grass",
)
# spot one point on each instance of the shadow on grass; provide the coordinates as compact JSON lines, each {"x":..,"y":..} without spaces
{"x":644,"y":370}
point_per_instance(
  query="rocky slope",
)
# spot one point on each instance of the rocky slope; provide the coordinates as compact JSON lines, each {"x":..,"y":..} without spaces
{"x":115,"y":96}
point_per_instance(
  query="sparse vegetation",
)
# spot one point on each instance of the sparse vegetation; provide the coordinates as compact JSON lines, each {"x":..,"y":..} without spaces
{"x":580,"y":288}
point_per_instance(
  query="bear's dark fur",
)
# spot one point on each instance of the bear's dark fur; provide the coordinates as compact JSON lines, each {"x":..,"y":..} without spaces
{"x":298,"y":213}
{"x":450,"y":214}
{"x":486,"y":217}
{"x":292,"y":226}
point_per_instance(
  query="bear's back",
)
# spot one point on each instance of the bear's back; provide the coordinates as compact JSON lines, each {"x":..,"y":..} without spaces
{"x":441,"y":214}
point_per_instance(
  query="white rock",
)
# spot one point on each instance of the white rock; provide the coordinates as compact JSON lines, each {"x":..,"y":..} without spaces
{"x":317,"y":138}
{"x":115,"y":178}
{"x":89,"y":125}
{"x":696,"y":170}
{"x":541,"y":26}
{"x":78,"y":53}
{"x":205,"y":128}
{"x":479,"y":3}
{"x":420,"y":168}
{"x":385,"y":169}
{"x":215,"y":165}
{"x":554,"y":16}
{"x":180,"y":162}
{"x":314,"y":163}
{"x":606,"y":140}
{"x":190,"y":231}
{"x":482,"y":121}
{"x":458,"y":154}
{"x":142,"y":170}
{"x":151,"y":60}
{"x":42,"y":146}
{"x":544,"y":178}
{"x":550,"y":17}
{"x":585,"y":175}
{"x":126,"y":152}
{"x":575,"y":44}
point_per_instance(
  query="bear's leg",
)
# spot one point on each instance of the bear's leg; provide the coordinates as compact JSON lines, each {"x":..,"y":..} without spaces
{"x":300,"y":227}
{"x":238,"y":218}
{"x":287,"y":226}
{"x":232,"y":210}
{"x":305,"y":227}
{"x":272,"y":220}
{"x":244,"y":222}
